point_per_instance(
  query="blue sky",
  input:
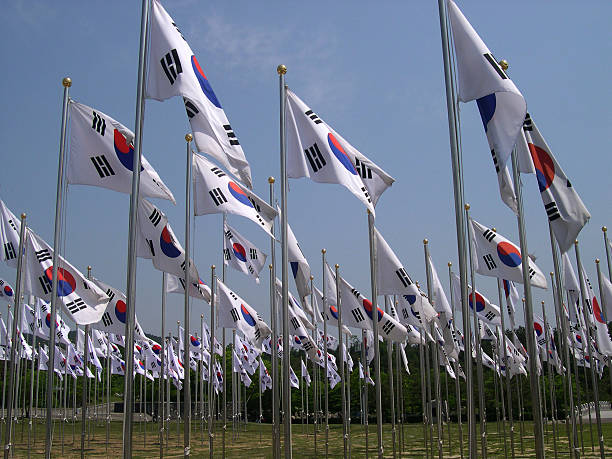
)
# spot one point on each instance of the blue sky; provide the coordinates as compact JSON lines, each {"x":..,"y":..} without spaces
{"x":372,"y":70}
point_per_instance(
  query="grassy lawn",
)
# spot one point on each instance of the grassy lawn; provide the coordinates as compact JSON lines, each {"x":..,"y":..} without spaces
{"x":255,"y":442}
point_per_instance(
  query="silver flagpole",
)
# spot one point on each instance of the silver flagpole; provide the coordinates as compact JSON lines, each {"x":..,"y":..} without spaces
{"x":315,"y":370}
{"x":593,"y":362}
{"x":603,"y":307}
{"x":423,"y":390}
{"x":342,"y":376}
{"x":163,"y":372}
{"x":391,"y":392}
{"x":607,"y":246}
{"x":282,"y":70}
{"x":131,"y":261}
{"x":326,"y":376}
{"x":531,"y":345}
{"x":435,"y":356}
{"x":30,"y":426}
{"x":66,"y":82}
{"x":201,"y":377}
{"x":457,"y":385}
{"x":364,"y":359}
{"x":8,"y":429}
{"x":374,"y":287}
{"x":398,"y":395}
{"x":459,"y":218}
{"x":144,"y":377}
{"x":108,"y":381}
{"x":274,"y":340}
{"x":507,"y":366}
{"x":84,"y":392}
{"x":234,"y":396}
{"x":187,"y":380}
{"x":211,"y":372}
{"x":223,"y":344}
{"x":348,"y":402}
{"x":550,"y":380}
{"x":6,"y":350}
{"x":178,"y":390}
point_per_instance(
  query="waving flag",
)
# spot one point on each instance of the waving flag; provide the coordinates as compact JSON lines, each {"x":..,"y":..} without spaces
{"x":241,"y":254}
{"x":330,"y":311}
{"x":501,"y":105}
{"x":175,"y":71}
{"x":606,"y":295}
{"x":566,"y":212}
{"x":157,"y":242}
{"x":6,"y":291}
{"x":198,"y":290}
{"x":304,"y":374}
{"x":265,"y":380}
{"x":316,"y":151}
{"x":102,"y":154}
{"x":215,"y":192}
{"x":299,"y":266}
{"x":10,"y":227}
{"x":440,"y":302}
{"x":115,"y":317}
{"x":81,"y":298}
{"x":512,"y":300}
{"x":485,"y":309}
{"x":234,"y":312}
{"x":494,"y":255}
{"x":602,"y":337}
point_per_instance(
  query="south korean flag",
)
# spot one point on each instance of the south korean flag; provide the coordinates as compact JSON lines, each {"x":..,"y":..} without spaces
{"x":157,"y":242}
{"x":198,"y":290}
{"x":234,"y":312}
{"x":84,"y":301}
{"x":10,"y":227}
{"x":241,"y":254}
{"x":102,"y":154}
{"x":115,"y":317}
{"x":494,"y":255}
{"x":485,"y":309}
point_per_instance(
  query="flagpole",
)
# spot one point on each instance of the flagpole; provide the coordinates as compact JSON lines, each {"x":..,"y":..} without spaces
{"x":131,"y":261}
{"x":274,"y":340}
{"x":84,"y":390}
{"x":163,"y":371}
{"x":223,"y":344}
{"x":607,"y":246}
{"x":435,"y":356}
{"x":423,"y":390}
{"x":342,"y":352}
{"x":108,"y":381}
{"x":178,"y":389}
{"x":30,"y":426}
{"x":457,"y":385}
{"x":201,"y":378}
{"x":315,"y":370}
{"x":591,"y":354}
{"x":507,"y":366}
{"x":391,"y":392}
{"x":459,"y":217}
{"x":550,"y":379}
{"x":364,"y":358}
{"x":603,"y":305}
{"x":326,"y":377}
{"x":399,"y":391}
{"x":374,"y":287}
{"x":212,"y":360}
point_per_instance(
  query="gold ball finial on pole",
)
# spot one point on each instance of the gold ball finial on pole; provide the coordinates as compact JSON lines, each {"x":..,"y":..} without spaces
{"x":552,"y":274}
{"x":188,"y":137}
{"x":504,"y":64}
{"x":311,"y":277}
{"x":466,"y":206}
{"x":270,"y":266}
{"x":323,"y":250}
{"x":201,"y":316}
{"x":281,"y":69}
{"x":337,"y":266}
{"x":66,"y":82}
{"x":604,"y":228}
{"x":450,"y":264}
{"x":270,"y":180}
{"x":23,"y":215}
{"x":425,"y":241}
{"x":597,"y":260}
{"x":576,"y":242}
{"x":212,"y":266}
{"x":494,"y":229}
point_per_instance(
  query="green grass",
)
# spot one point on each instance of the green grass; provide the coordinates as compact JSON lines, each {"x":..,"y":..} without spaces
{"x":255,"y":442}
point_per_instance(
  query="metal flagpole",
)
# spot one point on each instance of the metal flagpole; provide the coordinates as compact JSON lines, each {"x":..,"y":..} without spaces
{"x":282,"y":70}
{"x":607,"y":246}
{"x":391,"y":392}
{"x":201,"y":378}
{"x":507,"y":366}
{"x":586,"y":392}
{"x":84,"y":391}
{"x":342,"y":358}
{"x":234,"y":397}
{"x":603,"y":309}
{"x":260,"y":407}
{"x":423,"y":390}
{"x":66,"y":82}
{"x":274,"y":340}
{"x":398,"y":394}
{"x":593,"y":362}
{"x":374,"y":287}
{"x":315,"y":370}
{"x":550,"y":379}
{"x":144,"y":377}
{"x":131,"y":261}
{"x":178,"y":389}
{"x":187,"y":380}
{"x":326,"y":376}
{"x":302,"y":397}
{"x":459,"y":216}
{"x":579,"y":406}
{"x":435,"y":353}
{"x":212,"y":361}
{"x":8,"y":429}
{"x":6,"y":350}
{"x":348,"y":403}
{"x":366,"y":368}
{"x":457,"y":385}
{"x":31,"y":410}
{"x":108,"y":381}
{"x":531,"y":345}
{"x":163,"y":372}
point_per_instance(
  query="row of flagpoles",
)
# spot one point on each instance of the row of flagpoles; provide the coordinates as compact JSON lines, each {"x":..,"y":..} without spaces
{"x":105,"y":153}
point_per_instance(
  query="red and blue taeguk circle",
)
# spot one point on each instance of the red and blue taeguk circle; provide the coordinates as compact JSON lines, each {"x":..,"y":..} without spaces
{"x":156,"y":348}
{"x":538,"y":328}
{"x":509,"y":254}
{"x":247,"y":316}
{"x":334,"y":311}
{"x":480,"y":302}
{"x":367,"y":305}
{"x":597,"y":311}
{"x":194,"y":341}
{"x":239,"y":251}
{"x":65,"y":281}
{"x":8,"y":291}
{"x":204,"y":84}
{"x":339,"y":153}
{"x":124,"y":152}
{"x":120,"y":310}
{"x":239,"y":194}
{"x":166,"y":242}
{"x":544,"y":165}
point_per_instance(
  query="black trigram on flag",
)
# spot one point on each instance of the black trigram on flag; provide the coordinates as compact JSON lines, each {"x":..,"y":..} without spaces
{"x":552,"y":211}
{"x":110,"y":294}
{"x":218,"y":172}
{"x":495,"y":161}
{"x":151,"y":247}
{"x":233,"y":140}
{"x":257,"y":334}
{"x":217,"y":196}
{"x":490,"y":315}
{"x":106,"y":319}
{"x":355,"y":292}
{"x":491,"y":60}
{"x":253,"y":254}
{"x":405,"y":314}
{"x":366,"y":194}
{"x":233,"y":295}
{"x":489,"y":235}
{"x":228,"y":234}
{"x":295,"y":324}
{"x":255,"y":204}
{"x":403,"y":277}
{"x":251,"y":270}
{"x":190,"y":108}
{"x":313,"y":116}
{"x":226,"y":254}
{"x":307,"y":345}
{"x":102,"y":166}
{"x":388,"y":327}
{"x":76,"y":306}
{"x":43,"y":255}
{"x":532,"y":272}
{"x":183,"y":264}
{"x":358,"y":315}
{"x":155,"y":217}
{"x":488,"y":259}
{"x":314,"y":157}
{"x":98,"y":124}
{"x":12,"y":223}
{"x":527,"y":124}
{"x":363,"y":169}
{"x":171,"y":64}
{"x":9,"y":251}
{"x":234,"y":314}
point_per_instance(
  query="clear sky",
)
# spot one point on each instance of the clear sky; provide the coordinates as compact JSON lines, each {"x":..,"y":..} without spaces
{"x":372,"y":70}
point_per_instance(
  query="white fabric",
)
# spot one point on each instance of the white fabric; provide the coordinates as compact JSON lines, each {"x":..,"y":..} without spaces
{"x":115,"y":317}
{"x":241,"y":254}
{"x":198,"y":290}
{"x":486,"y":310}
{"x":10,"y":227}
{"x":602,"y":337}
